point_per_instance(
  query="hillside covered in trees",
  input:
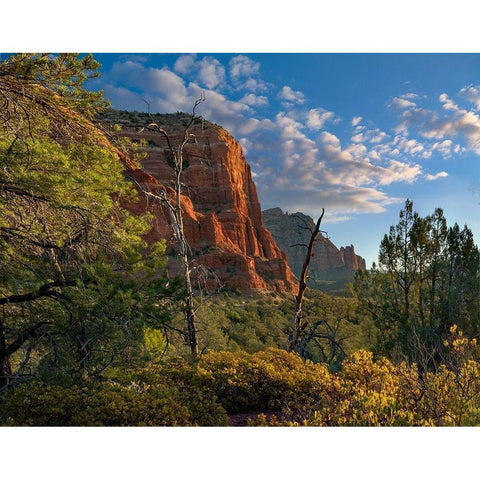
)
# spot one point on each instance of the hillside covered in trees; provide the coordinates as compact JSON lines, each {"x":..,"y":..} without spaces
{"x":97,"y":329}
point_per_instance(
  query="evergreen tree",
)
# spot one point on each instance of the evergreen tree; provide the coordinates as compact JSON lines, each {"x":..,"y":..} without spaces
{"x":75,"y":285}
{"x":426,"y":281}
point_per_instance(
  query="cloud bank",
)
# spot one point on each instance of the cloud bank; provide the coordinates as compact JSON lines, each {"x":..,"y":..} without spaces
{"x":303,"y":156}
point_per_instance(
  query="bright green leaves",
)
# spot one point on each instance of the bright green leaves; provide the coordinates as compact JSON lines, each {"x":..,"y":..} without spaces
{"x":77,"y":280}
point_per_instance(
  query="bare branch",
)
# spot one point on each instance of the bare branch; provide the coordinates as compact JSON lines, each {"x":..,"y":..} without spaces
{"x":44,"y":291}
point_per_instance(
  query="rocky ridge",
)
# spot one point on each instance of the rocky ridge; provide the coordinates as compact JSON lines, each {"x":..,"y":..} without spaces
{"x":291,"y":232}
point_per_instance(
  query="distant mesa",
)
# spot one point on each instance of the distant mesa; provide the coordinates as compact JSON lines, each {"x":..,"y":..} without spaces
{"x":329,"y":265}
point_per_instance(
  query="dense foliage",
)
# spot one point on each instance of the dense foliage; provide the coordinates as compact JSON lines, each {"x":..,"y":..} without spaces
{"x":234,"y":322}
{"x":109,"y":405}
{"x":427,"y":280}
{"x":76,"y":285}
{"x":293,"y":392}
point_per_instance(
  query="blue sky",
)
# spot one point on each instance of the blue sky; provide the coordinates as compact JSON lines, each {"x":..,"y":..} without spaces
{"x":356,"y":134}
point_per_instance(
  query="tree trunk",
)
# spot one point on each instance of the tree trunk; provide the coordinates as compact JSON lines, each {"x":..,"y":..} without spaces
{"x":190,"y":317}
{"x":176,"y":219}
{"x":5,"y":367}
{"x":302,"y":285}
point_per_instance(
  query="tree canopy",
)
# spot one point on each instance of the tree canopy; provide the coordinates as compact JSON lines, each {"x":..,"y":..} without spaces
{"x":75,"y":283}
{"x":426,"y":281}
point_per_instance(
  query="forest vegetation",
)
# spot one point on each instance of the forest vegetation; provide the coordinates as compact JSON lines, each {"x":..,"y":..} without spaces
{"x":92,"y":329}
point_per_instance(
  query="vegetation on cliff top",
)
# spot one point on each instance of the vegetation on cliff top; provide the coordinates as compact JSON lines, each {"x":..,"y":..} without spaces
{"x":170,"y":121}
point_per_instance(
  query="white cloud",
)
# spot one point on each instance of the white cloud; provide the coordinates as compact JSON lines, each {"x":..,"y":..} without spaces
{"x":289,"y":127}
{"x":352,"y":165}
{"x":356,"y":121}
{"x":358,"y":138}
{"x":255,"y":85}
{"x":291,"y":96}
{"x":373,"y":136}
{"x":402,"y":103}
{"x":445,"y":147}
{"x":243,"y":66}
{"x":472,"y":94}
{"x":377,"y":136}
{"x":245,"y":74}
{"x":349,"y":177}
{"x":251,"y":125}
{"x":409,"y":146}
{"x":254,"y":100}
{"x":211,"y":72}
{"x":185,"y":63}
{"x":325,"y":165}
{"x":208,"y":71}
{"x":339,"y":202}
{"x":409,"y":96}
{"x":457,"y":122}
{"x":317,"y":117}
{"x":399,"y":172}
{"x":164,"y":81}
{"x":430,"y":177}
{"x":446,"y":125}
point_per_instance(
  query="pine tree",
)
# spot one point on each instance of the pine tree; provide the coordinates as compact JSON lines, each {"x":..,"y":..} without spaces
{"x":75,"y":287}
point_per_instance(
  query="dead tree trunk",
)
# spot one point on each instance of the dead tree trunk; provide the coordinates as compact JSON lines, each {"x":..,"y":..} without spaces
{"x":174,"y":208}
{"x":302,"y":285}
{"x":5,"y":367}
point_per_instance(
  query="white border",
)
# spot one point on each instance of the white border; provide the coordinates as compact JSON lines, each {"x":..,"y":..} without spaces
{"x":247,"y":26}
{"x":238,"y":453}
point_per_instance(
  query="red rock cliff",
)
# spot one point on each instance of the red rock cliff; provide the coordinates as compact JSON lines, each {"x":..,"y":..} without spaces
{"x":222,"y":215}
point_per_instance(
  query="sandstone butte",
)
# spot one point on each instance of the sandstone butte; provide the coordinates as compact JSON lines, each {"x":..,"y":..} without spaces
{"x":222,"y":214}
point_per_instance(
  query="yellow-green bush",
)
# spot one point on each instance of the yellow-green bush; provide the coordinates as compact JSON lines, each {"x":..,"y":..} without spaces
{"x":370,"y":393}
{"x":264,"y":380}
{"x":105,"y":405}
{"x":363,"y":392}
{"x":452,"y":398}
{"x":379,"y":393}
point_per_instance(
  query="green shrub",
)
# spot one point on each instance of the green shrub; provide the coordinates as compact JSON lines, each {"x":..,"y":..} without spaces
{"x":364,"y":392}
{"x":106,"y":405}
{"x":270,"y":379}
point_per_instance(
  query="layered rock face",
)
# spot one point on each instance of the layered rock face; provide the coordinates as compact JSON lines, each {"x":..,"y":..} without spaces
{"x":222,"y":215}
{"x":292,"y":231}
